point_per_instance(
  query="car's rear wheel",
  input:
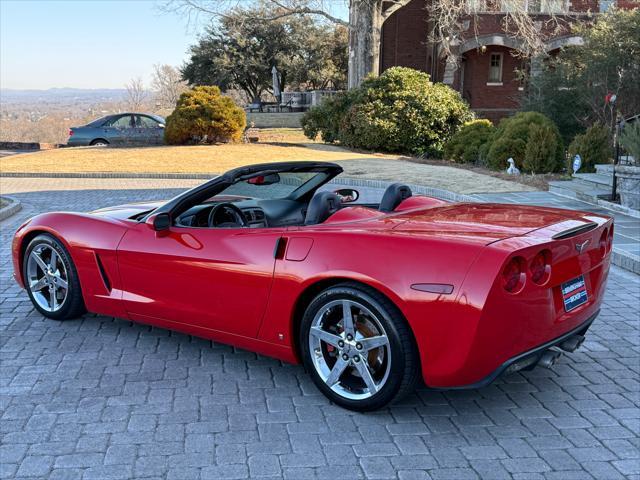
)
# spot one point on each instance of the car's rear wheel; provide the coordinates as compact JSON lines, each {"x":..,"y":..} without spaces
{"x":51,"y":279}
{"x":358,"y":348}
{"x":99,"y":142}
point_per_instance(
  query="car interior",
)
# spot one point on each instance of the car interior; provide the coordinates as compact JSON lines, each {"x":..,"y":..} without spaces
{"x":238,"y":211}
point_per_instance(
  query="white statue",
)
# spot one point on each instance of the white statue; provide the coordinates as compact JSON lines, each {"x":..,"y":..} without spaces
{"x":577,"y":163}
{"x":512,"y":170}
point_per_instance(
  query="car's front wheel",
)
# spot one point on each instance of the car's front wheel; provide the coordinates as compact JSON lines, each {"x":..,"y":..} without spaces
{"x":358,"y":347}
{"x":51,"y":279}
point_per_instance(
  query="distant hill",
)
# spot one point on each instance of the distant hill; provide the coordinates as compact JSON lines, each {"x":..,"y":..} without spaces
{"x":62,"y":95}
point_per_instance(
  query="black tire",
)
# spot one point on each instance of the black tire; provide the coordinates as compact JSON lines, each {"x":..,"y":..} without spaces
{"x":99,"y":141}
{"x":73,"y":305}
{"x":404,"y":369}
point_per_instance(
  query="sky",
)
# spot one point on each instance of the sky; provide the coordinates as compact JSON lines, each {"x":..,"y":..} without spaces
{"x":91,"y":43}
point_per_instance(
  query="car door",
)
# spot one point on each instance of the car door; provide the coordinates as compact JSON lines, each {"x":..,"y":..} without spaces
{"x":118,"y":130}
{"x":214,"y":278}
{"x":149,"y":130}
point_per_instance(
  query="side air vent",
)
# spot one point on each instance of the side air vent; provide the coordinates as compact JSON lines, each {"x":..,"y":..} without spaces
{"x":103,"y":273}
{"x":572,"y":232}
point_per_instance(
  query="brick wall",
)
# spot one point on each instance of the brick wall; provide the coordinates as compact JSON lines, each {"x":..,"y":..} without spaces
{"x":475,"y":82}
{"x":405,"y":43}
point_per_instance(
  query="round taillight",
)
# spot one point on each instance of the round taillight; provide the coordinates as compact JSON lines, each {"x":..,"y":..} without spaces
{"x":604,"y":243}
{"x":540,"y":267}
{"x":513,"y":275}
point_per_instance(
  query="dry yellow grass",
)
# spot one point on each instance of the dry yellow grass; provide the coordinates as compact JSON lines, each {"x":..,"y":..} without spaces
{"x":192,"y":159}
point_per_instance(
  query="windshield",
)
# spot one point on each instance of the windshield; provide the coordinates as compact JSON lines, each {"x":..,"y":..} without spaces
{"x":282,"y":185}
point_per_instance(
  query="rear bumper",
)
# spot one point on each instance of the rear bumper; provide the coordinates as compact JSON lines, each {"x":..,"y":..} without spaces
{"x":528,"y":359}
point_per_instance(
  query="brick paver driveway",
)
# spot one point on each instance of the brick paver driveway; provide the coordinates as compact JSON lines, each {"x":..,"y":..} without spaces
{"x":100,"y":398}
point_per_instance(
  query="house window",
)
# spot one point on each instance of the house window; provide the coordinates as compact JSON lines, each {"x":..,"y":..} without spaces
{"x":605,"y":5}
{"x":495,"y":68}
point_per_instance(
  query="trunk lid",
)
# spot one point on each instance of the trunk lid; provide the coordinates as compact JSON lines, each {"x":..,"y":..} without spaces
{"x":484,"y":222}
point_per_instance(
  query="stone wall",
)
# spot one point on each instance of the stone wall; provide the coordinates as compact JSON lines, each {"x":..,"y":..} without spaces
{"x":274,"y":120}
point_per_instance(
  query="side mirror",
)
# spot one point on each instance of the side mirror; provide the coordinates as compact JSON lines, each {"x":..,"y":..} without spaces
{"x":347,"y":195}
{"x":159,"y":222}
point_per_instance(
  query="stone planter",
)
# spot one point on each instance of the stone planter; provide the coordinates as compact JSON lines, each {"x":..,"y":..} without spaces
{"x":629,"y":185}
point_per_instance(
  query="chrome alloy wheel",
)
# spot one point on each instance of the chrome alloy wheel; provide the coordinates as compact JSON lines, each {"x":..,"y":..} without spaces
{"x":350,"y":349}
{"x":47,"y":278}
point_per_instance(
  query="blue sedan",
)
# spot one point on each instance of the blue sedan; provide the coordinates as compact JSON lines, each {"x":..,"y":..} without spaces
{"x":119,"y":129}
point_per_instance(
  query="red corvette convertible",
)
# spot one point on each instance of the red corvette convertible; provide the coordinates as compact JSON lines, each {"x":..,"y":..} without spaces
{"x":369,"y":297}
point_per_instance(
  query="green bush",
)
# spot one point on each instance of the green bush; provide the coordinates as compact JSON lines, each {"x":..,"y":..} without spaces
{"x":512,"y":137}
{"x":630,"y":140}
{"x":324,"y":119}
{"x":203,"y":115}
{"x":539,"y":155}
{"x":593,"y":146}
{"x":466,"y":144}
{"x":399,"y":111}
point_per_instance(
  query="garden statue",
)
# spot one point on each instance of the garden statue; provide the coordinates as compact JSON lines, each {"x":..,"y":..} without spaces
{"x":577,"y":163}
{"x":512,"y":170}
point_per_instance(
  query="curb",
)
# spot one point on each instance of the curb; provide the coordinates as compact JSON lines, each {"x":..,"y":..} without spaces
{"x":14,"y":207}
{"x":626,"y":260}
{"x":179,"y":176}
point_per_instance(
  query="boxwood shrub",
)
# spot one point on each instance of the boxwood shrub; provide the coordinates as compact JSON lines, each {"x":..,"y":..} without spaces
{"x":517,"y":135}
{"x":593,"y":146}
{"x":398,"y":111}
{"x":466,"y":144}
{"x":203,"y":115}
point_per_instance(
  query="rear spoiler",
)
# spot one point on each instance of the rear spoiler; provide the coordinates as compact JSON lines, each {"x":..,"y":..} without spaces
{"x":572,"y":232}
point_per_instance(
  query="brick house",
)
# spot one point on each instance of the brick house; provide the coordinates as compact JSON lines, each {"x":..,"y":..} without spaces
{"x":485,"y":72}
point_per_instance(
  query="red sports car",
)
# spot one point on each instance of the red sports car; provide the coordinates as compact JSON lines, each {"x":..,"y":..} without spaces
{"x":368,"y":296}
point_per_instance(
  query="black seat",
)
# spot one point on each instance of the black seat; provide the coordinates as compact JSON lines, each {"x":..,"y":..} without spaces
{"x":321,"y":207}
{"x":393,"y":196}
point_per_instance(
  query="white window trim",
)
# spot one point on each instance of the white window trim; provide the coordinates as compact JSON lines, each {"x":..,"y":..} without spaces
{"x":494,"y":83}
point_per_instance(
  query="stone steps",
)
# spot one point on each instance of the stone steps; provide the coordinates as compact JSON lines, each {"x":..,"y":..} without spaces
{"x":579,"y":190}
{"x":595,"y":179}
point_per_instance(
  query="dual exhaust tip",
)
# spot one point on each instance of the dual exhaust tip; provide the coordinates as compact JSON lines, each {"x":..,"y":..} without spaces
{"x":550,"y":357}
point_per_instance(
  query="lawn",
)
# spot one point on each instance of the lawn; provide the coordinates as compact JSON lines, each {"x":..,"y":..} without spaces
{"x":220,"y":158}
{"x":192,"y":159}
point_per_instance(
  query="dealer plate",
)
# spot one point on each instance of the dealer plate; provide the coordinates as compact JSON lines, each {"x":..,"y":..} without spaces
{"x":574,"y":293}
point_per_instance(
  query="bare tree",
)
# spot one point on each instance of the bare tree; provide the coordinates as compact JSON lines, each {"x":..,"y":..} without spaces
{"x":365,"y":23}
{"x":136,"y":94}
{"x":451,"y":21}
{"x":168,"y":85}
{"x":455,"y":21}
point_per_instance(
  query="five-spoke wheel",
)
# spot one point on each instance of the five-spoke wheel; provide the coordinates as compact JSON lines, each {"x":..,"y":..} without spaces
{"x":357,"y":346}
{"x":47,"y":277}
{"x":51,"y":278}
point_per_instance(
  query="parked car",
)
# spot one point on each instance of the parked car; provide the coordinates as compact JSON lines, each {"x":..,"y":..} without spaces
{"x":370,"y":297}
{"x":120,"y":129}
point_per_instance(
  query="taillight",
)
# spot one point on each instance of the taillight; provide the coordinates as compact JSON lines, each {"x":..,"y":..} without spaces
{"x":604,"y":242}
{"x":513,"y":275}
{"x":540,"y":267}
{"x":70,"y":132}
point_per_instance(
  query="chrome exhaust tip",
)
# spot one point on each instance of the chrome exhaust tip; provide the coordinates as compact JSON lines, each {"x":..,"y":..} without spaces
{"x":549,"y":358}
{"x":572,"y":343}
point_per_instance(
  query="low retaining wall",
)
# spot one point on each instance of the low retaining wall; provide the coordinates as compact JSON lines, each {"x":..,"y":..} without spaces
{"x":28,"y":146}
{"x":274,"y":120}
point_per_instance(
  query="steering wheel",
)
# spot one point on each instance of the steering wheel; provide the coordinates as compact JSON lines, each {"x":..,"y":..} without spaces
{"x":230,"y":210}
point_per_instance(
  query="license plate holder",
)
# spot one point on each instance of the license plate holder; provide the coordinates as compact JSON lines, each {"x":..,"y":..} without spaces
{"x":574,"y":293}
